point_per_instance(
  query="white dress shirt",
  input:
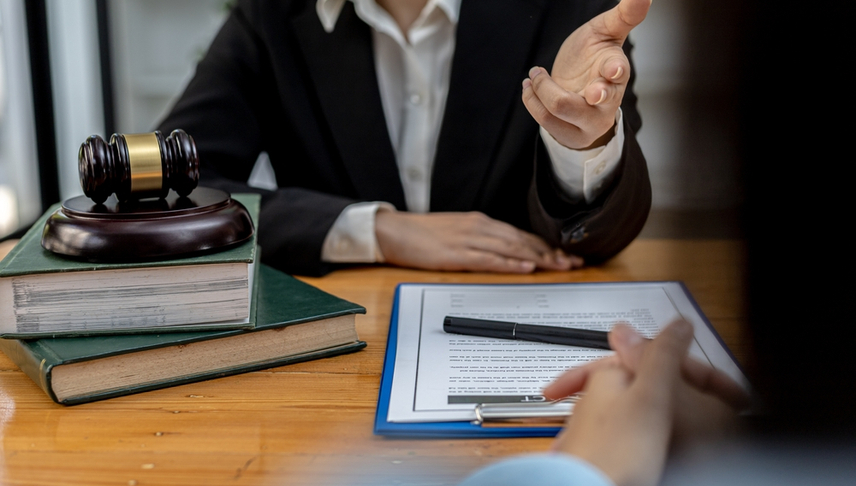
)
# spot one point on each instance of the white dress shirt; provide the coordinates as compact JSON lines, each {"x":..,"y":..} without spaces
{"x":413,"y":76}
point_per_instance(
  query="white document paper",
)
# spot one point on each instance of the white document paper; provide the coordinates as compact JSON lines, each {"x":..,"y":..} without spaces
{"x":442,"y":377}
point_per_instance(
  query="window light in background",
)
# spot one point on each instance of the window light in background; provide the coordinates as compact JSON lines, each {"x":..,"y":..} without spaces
{"x":20,"y":199}
{"x":8,"y":210}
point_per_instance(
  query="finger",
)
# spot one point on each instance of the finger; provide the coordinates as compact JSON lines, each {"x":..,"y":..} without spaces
{"x":487,"y":226}
{"x":574,"y":120}
{"x":553,"y":258}
{"x":565,"y":133}
{"x":620,"y":20}
{"x":485,"y":261}
{"x":515,"y":238}
{"x":508,"y":241}
{"x":535,"y":242}
{"x":504,"y":248}
{"x":604,"y":386}
{"x":574,"y":260}
{"x":574,"y":380}
{"x":714,"y":382}
{"x":559,"y":102}
{"x":660,"y":367}
{"x":616,"y":68}
{"x":607,"y":379}
{"x":598,"y":92}
{"x":629,"y":345}
{"x":608,"y":88}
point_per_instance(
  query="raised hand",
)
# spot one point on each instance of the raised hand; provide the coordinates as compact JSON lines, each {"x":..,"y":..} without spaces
{"x":577,"y":102}
{"x":464,"y":241}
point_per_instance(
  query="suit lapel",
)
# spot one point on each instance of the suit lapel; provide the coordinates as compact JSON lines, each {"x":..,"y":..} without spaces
{"x":341,"y":65}
{"x":493,"y":44}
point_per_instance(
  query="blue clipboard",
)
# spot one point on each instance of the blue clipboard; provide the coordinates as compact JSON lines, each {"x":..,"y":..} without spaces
{"x":433,"y":429}
{"x":470,"y":429}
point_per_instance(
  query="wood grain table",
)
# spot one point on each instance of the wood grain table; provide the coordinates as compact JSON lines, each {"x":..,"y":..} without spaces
{"x":310,"y":423}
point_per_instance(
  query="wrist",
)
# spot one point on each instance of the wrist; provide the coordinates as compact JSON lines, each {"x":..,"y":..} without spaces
{"x":383,"y":229}
{"x":352,"y":238}
{"x":603,"y":139}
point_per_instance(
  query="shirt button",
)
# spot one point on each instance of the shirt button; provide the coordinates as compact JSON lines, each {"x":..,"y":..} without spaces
{"x":414,"y":173}
{"x":600,"y":168}
{"x":415,"y":99}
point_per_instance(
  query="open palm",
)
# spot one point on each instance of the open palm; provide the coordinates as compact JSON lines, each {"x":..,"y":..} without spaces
{"x":576,"y":103}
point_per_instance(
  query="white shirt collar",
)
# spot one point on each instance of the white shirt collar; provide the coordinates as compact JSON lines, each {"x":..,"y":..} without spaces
{"x":329,"y":10}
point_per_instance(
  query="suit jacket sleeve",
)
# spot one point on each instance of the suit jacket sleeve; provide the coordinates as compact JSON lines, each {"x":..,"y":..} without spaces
{"x":599,"y":230}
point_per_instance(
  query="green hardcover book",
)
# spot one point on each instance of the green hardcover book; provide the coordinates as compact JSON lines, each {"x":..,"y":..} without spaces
{"x":294,"y":322}
{"x":43,"y":294}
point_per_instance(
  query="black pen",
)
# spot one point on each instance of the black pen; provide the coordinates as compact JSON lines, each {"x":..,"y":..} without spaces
{"x":527,"y":332}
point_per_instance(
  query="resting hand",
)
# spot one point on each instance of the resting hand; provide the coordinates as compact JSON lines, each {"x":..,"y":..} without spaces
{"x":577,"y":103}
{"x":464,"y":241}
{"x":708,"y":399}
{"x":629,"y":347}
{"x":623,"y":425}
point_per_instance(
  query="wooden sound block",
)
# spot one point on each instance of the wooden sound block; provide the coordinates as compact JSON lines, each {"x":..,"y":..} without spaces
{"x":205,"y":220}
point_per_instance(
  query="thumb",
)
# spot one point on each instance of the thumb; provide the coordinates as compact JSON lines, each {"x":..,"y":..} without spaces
{"x":620,"y":20}
{"x":628,"y":345}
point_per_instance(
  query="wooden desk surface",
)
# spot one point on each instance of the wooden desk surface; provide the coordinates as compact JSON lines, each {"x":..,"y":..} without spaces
{"x":309,"y":423}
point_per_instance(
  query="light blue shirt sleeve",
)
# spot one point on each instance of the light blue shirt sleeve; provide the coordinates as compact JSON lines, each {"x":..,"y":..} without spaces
{"x":539,"y":470}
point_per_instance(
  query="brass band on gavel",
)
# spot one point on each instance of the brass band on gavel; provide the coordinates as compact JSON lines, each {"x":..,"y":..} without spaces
{"x":138,"y":166}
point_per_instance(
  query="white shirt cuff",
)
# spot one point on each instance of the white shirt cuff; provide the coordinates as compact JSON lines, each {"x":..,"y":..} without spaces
{"x":583,"y":174}
{"x":352,"y":238}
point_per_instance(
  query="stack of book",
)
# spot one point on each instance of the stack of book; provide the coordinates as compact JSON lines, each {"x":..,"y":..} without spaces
{"x":85,"y":331}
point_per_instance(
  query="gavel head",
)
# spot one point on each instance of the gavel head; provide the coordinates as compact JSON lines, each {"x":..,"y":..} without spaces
{"x":138,"y":166}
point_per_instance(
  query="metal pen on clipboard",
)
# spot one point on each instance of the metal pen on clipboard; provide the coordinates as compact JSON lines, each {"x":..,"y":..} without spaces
{"x":527,"y":332}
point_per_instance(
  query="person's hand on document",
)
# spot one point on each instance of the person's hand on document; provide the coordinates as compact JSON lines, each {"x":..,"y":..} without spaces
{"x":640,"y":401}
{"x":577,"y":102}
{"x":464,"y":241}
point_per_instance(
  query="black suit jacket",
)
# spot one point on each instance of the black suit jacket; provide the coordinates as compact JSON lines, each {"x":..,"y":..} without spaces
{"x":273,"y":80}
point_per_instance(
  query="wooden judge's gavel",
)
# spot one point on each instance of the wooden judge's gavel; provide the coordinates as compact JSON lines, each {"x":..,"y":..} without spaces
{"x":138,"y":166}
